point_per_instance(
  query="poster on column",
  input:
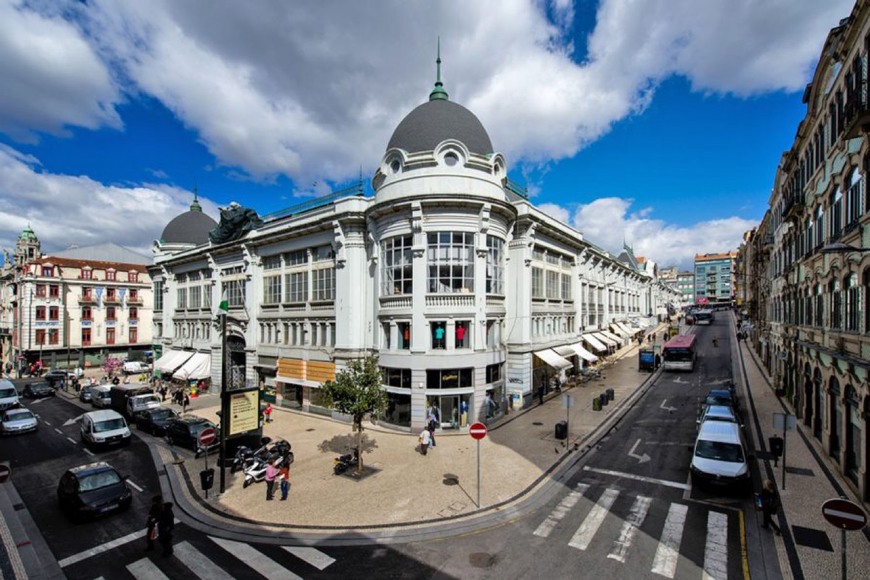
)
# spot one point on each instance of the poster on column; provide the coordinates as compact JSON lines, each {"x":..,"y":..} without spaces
{"x":244,"y":412}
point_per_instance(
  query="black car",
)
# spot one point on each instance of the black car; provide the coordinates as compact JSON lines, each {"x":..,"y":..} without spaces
{"x":727,"y":397}
{"x":184,"y":431}
{"x":155,"y":421}
{"x":55,"y":378}
{"x":38,"y":390}
{"x":85,"y":394}
{"x":93,"y":490}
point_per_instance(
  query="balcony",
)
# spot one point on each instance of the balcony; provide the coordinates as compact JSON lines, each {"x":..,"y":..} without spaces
{"x":87,"y":299}
{"x":793,"y":207}
{"x":856,"y":113}
{"x":136,"y":300}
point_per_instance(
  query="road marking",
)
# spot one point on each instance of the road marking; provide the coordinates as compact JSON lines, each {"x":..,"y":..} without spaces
{"x":561,"y":510}
{"x":136,"y":487}
{"x":76,"y":558}
{"x":58,"y":430}
{"x":145,"y":569}
{"x":199,"y":564}
{"x":641,"y":458}
{"x":638,"y":477}
{"x":629,"y":528}
{"x":71,"y":440}
{"x":88,"y":451}
{"x":669,"y":409}
{"x":47,"y":423}
{"x":584,"y":534}
{"x":312,"y":556}
{"x":37,"y":401}
{"x":255,"y":559}
{"x":716,"y":549}
{"x":668,"y":552}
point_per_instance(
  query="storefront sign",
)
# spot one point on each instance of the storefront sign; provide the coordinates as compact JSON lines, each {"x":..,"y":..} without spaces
{"x":244,"y":412}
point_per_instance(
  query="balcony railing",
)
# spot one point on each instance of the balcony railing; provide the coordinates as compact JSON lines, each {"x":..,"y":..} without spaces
{"x":87,"y":300}
{"x":856,"y":113}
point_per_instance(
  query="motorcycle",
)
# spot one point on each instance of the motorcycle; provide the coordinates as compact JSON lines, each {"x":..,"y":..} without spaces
{"x":344,"y":462}
{"x":256,"y":471}
{"x":245,"y":456}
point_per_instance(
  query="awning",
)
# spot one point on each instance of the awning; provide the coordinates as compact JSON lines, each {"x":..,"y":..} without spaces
{"x":614,"y":337}
{"x":635,"y":329}
{"x":197,"y":367}
{"x":594,"y":342}
{"x":619,"y":330}
{"x":550,"y":357}
{"x":600,"y":335}
{"x":171,"y":360}
{"x":583,"y":353}
{"x":627,"y":329}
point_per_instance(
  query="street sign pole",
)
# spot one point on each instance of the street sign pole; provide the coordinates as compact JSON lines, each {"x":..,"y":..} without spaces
{"x":478,"y":474}
{"x":843,"y":553}
{"x":478,"y":431}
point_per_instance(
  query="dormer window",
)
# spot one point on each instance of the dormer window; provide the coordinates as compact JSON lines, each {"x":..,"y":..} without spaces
{"x":110,"y":275}
{"x":48,"y":271}
{"x":451,"y":159}
{"x":87,"y":274}
{"x":132,"y":276}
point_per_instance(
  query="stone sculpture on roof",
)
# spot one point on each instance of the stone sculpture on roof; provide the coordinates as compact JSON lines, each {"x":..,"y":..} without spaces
{"x":236,"y":221}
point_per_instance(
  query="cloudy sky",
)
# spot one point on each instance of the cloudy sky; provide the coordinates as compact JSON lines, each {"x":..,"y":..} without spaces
{"x":653,"y":122}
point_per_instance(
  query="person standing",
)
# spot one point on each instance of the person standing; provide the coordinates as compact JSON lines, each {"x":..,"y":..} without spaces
{"x":165,"y":525}
{"x":284,"y":475}
{"x":769,"y":506}
{"x":431,"y":425}
{"x":541,"y":393}
{"x":185,"y":402}
{"x":425,"y":439}
{"x":151,"y":523}
{"x":267,"y":413}
{"x":271,"y":474}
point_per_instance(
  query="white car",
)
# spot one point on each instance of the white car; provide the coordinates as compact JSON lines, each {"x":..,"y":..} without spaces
{"x":15,"y":421}
{"x":8,"y":395}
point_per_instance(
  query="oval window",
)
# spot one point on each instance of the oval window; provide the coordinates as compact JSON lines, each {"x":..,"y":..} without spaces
{"x":395,"y":166}
{"x":451,"y":159}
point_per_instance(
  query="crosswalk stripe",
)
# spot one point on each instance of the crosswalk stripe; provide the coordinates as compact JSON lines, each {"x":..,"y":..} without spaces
{"x":312,"y":556}
{"x":199,"y":564}
{"x":255,"y":559}
{"x":584,"y":534}
{"x":561,"y":510}
{"x":668,"y":552}
{"x":716,"y":549}
{"x":629,"y":528}
{"x":145,"y":569}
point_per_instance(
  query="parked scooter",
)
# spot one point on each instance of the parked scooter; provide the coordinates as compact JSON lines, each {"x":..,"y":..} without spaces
{"x":256,"y":471}
{"x":245,"y":455}
{"x":345,"y":462}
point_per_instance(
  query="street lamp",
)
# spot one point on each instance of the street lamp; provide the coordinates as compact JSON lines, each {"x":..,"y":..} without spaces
{"x":840,"y":247}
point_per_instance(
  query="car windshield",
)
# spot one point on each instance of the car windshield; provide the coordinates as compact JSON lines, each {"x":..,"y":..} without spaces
{"x":109,"y":425}
{"x":6,"y":393}
{"x":730,"y":452}
{"x":162,"y":414}
{"x":98,"y":480}
{"x":718,"y":400}
{"x":18,"y":416}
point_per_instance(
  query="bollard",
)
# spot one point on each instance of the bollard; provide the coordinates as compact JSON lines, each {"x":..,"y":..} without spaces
{"x":603,"y":398}
{"x":610,"y":394}
{"x":596,"y":404}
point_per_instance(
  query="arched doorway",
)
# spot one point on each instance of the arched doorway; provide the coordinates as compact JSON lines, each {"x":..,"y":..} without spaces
{"x":836,"y":417}
{"x":808,"y":395}
{"x":853,"y":433}
{"x":818,"y":411}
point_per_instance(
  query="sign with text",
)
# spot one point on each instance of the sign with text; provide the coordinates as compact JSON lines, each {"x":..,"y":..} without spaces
{"x":244,"y":412}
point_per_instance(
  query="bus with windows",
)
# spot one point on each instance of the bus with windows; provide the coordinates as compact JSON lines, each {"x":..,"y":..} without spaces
{"x":704,"y":316}
{"x":678,"y":354}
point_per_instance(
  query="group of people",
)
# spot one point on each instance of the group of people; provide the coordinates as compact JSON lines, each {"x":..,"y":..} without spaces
{"x":280,"y":474}
{"x":427,"y":435}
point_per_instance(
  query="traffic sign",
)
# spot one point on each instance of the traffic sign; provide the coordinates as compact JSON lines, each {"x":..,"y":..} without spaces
{"x":477,"y":431}
{"x":844,"y":514}
{"x":5,"y":472}
{"x":207,"y":436}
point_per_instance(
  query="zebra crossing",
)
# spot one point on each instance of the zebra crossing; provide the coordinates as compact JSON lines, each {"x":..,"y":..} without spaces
{"x":669,"y":535}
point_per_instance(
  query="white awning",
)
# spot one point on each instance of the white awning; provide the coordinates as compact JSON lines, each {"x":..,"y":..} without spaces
{"x":594,"y":342}
{"x":619,"y":330}
{"x":618,"y":339}
{"x":600,"y":335}
{"x":171,"y":360}
{"x":635,"y":329}
{"x":627,"y":329}
{"x":197,"y":367}
{"x":550,"y":357}
{"x":583,"y":353}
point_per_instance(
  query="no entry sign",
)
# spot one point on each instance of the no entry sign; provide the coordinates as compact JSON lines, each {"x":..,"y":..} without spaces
{"x":477,"y":430}
{"x":844,"y":514}
{"x":207,"y":436}
{"x":5,"y":472}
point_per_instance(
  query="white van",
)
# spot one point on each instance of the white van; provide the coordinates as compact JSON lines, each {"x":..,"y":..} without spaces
{"x":8,"y":395}
{"x":101,"y":396}
{"x":720,"y":456}
{"x":105,"y":428}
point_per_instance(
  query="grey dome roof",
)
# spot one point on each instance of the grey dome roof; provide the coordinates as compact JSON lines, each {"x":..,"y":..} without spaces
{"x":436,"y":120}
{"x":191,"y":227}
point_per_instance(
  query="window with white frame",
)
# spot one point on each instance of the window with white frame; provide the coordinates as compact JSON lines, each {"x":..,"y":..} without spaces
{"x":397,"y":269}
{"x":494,"y":265}
{"x":566,"y":287}
{"x":451,"y":262}
{"x":820,"y":227}
{"x":181,"y":298}
{"x":553,"y":285}
{"x":537,"y":283}
{"x":296,"y":286}
{"x":272,"y":289}
{"x":323,"y":284}
{"x":235,"y":292}
{"x":194,"y":297}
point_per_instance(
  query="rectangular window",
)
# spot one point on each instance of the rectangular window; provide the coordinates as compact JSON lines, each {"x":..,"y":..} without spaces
{"x":449,"y":378}
{"x":206,"y":296}
{"x":111,"y":295}
{"x":853,"y":199}
{"x":132,"y":277}
{"x":194,"y":296}
{"x":537,"y":283}
{"x":553,"y":286}
{"x":493,"y":373}
{"x":397,"y":377}
{"x":181,"y":298}
{"x":450,"y":262}
{"x":110,"y":275}
{"x":566,"y":287}
{"x":110,"y":336}
{"x":397,"y":269}
{"x":134,"y":335}
{"x":297,"y":287}
{"x":110,"y":313}
{"x":53,"y":336}
{"x":463,"y":336}
{"x":40,"y":336}
{"x":158,"y":295}
{"x":48,"y":271}
{"x":494,"y":265}
{"x":438,"y":330}
{"x":272,"y":289}
{"x":323,"y":284}
{"x":133,"y":295}
{"x":837,"y":215}
{"x":322,"y":254}
{"x":53,"y":313}
{"x":40,"y":290}
{"x":404,"y":329}
{"x":86,"y":336}
{"x":86,"y":313}
{"x":40,"y":312}
{"x":134,"y":313}
{"x":87,"y":274}
{"x":53,"y":291}
{"x":297,"y":258}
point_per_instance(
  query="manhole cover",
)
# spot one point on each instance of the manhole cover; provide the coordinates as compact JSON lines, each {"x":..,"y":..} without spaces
{"x":481,"y":560}
{"x":537,"y":423}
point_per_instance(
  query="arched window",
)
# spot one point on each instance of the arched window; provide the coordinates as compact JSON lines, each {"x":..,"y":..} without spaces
{"x":853,"y":198}
{"x":820,"y":306}
{"x":865,"y":287}
{"x":853,"y":302}
{"x":836,"y":217}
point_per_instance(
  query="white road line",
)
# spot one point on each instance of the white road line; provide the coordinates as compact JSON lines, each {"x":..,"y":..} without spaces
{"x":716,"y":550}
{"x":71,"y":440}
{"x":668,"y":552}
{"x":58,"y":430}
{"x":560,"y":511}
{"x":136,"y":487}
{"x":584,"y":534}
{"x":47,"y":423}
{"x":638,"y":477}
{"x":74,"y":559}
{"x":312,"y":556}
{"x":629,"y":528}
{"x":88,"y":451}
{"x":199,"y":564}
{"x":145,"y":569}
{"x":254,"y":559}
{"x":36,"y":401}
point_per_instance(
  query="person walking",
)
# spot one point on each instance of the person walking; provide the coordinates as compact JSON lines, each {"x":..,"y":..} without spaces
{"x":185,"y":402}
{"x":425,"y":440}
{"x":284,"y":475}
{"x":770,"y":506}
{"x":165,"y":525}
{"x":431,"y":425}
{"x":151,"y":523}
{"x":267,"y":413}
{"x":271,"y":474}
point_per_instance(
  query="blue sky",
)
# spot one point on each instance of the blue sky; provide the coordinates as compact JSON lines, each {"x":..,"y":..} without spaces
{"x":639,"y":120}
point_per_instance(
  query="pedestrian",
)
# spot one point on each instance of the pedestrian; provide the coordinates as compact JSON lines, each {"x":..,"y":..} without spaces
{"x":271,"y":474}
{"x":267,"y":413}
{"x":165,"y":525}
{"x":185,"y":402}
{"x":152,"y":520}
{"x":284,"y":475}
{"x":769,"y":506}
{"x":541,"y":393}
{"x":162,"y":392}
{"x":425,"y":439}
{"x":431,"y":425}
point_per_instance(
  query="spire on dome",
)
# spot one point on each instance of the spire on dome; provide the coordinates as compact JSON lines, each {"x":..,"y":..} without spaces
{"x":438,"y":93}
{"x":195,"y":205}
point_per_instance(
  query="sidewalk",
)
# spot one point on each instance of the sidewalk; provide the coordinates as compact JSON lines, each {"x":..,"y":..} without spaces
{"x":809,"y":546}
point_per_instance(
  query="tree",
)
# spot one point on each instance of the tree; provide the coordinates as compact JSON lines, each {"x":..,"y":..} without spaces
{"x":112,"y":366}
{"x":357,"y":391}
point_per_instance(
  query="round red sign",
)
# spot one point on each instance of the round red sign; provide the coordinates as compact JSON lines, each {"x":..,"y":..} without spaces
{"x":844,"y":514}
{"x":207,"y":436}
{"x":477,"y":430}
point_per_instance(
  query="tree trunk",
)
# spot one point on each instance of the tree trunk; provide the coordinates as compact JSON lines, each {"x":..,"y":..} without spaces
{"x":359,"y":429}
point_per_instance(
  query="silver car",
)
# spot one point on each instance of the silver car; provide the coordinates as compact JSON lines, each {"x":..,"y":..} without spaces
{"x":14,"y":421}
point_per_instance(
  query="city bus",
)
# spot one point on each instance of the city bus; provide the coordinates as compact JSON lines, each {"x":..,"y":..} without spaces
{"x":704,"y":317}
{"x":678,"y":354}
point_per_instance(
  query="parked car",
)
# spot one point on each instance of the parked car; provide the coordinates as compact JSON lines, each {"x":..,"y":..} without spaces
{"x":184,"y":431}
{"x":139,"y":403}
{"x":135,"y":367}
{"x":85,"y":394}
{"x":104,"y":427}
{"x":155,"y":421}
{"x":93,"y":490}
{"x":8,"y":395}
{"x":723,"y":397}
{"x":720,"y":458}
{"x":718,"y":413}
{"x":56,"y":378}
{"x":15,"y":421}
{"x":38,"y":390}
{"x":101,"y":396}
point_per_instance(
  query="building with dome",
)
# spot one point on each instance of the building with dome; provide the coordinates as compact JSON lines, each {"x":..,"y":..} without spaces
{"x":471,"y":297}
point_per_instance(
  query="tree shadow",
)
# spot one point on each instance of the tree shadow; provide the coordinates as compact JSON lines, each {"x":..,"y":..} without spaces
{"x":346,"y":443}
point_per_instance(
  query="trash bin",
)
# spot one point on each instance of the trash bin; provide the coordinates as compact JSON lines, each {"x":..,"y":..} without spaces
{"x":562,"y":430}
{"x":610,"y":394}
{"x":603,"y":398}
{"x":596,"y":404}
